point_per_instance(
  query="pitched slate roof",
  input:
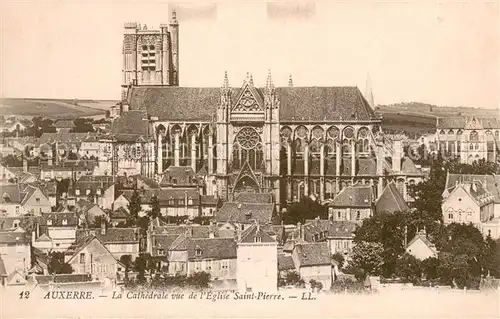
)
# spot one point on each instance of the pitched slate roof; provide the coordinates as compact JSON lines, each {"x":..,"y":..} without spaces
{"x":460,"y":123}
{"x":67,"y":165}
{"x":112,"y":235}
{"x":7,"y":222}
{"x":57,"y":219}
{"x":209,"y":200}
{"x":64,"y":137}
{"x":336,"y":229}
{"x":296,"y":103}
{"x":195,"y":231}
{"x":11,"y":193}
{"x":149,"y":182}
{"x":9,"y":237}
{"x":120,"y":212}
{"x":253,"y":233}
{"x":354,"y":196}
{"x":422,"y":236}
{"x":175,"y":103}
{"x":248,"y":197}
{"x":312,"y":254}
{"x":183,"y":176}
{"x":164,"y":241}
{"x":391,"y":200}
{"x":131,"y":126}
{"x":164,"y":195}
{"x":213,"y":248}
{"x":245,"y":212}
{"x":492,"y":183}
{"x":408,"y":167}
{"x":320,"y":103}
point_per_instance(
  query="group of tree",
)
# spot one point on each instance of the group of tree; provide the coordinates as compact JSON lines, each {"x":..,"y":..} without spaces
{"x":306,"y":208}
{"x":464,"y":254}
{"x":290,"y":278}
{"x":57,"y":265}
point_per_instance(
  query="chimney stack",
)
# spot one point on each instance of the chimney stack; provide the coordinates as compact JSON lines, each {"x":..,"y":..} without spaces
{"x":103,"y":227}
{"x":25,"y":164}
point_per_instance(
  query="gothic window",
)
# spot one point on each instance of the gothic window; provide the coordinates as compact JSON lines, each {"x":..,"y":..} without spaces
{"x":496,"y":135}
{"x":317,"y":133}
{"x":459,"y":132}
{"x":301,"y":132}
{"x":450,"y":132}
{"x":333,"y":133}
{"x":363,"y":142}
{"x":315,"y":146}
{"x":286,"y":134}
{"x":247,"y":147}
{"x":346,"y":147}
{"x":473,"y":136}
{"x":247,"y":102}
{"x":442,"y":132}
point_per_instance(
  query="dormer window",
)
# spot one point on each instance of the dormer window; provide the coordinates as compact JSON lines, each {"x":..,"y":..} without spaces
{"x":77,"y":192}
{"x":171,"y":201}
{"x":190,"y":201}
{"x":98,"y":191}
{"x":88,"y":192}
{"x":49,"y":222}
{"x":161,"y":252}
{"x":258,"y":239}
{"x":16,"y":223}
{"x":64,"y":222}
{"x":174,"y":181}
{"x":198,"y":252}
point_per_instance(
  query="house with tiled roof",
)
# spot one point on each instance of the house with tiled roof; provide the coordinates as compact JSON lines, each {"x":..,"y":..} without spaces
{"x":64,"y":125}
{"x":468,"y":202}
{"x":391,"y":200}
{"x":490,"y":182}
{"x":188,"y":255}
{"x":471,"y":138}
{"x":179,"y":176}
{"x":118,"y":216}
{"x":353,"y":203}
{"x":15,"y":251}
{"x":119,"y":241}
{"x":312,"y":261}
{"x":56,"y":231}
{"x":20,"y":199}
{"x":90,"y":256}
{"x":257,"y":261}
{"x":89,"y":147}
{"x":97,"y":189}
{"x":242,"y":215}
{"x":66,"y":169}
{"x":420,"y":247}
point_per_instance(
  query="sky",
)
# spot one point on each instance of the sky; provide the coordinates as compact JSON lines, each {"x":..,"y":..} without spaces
{"x":439,"y":52}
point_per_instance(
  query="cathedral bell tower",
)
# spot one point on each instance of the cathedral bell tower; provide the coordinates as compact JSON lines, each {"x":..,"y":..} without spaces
{"x":150,"y":57}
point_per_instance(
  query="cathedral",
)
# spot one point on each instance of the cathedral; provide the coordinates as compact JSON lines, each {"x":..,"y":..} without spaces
{"x":288,"y":141}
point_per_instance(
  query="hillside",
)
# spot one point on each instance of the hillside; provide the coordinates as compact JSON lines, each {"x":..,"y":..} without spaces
{"x":420,"y":118}
{"x":54,"y":108}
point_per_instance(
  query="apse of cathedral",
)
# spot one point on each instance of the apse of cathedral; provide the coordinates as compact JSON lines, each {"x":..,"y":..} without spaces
{"x":288,"y":141}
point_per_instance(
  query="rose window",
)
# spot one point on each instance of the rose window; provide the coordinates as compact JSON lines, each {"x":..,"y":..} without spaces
{"x":348,"y":132}
{"x":247,"y":138}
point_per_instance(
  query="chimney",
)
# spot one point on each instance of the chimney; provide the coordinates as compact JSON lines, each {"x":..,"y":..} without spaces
{"x":33,"y":237}
{"x":397,"y":151}
{"x":211,"y":234}
{"x":25,"y":164}
{"x":299,"y":227}
{"x":103,"y":227}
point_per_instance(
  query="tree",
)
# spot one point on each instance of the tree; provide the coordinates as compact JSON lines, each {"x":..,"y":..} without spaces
{"x":155,"y":208}
{"x":305,"y":209}
{"x":126,"y":260}
{"x":430,"y":268}
{"x":144,"y":262}
{"x":408,"y":268}
{"x":83,"y":125}
{"x":57,"y":264}
{"x":12,"y":161}
{"x":134,"y":208}
{"x":366,"y":259}
{"x":339,"y":258}
{"x":199,"y":280}
{"x":98,"y":221}
{"x":492,"y":257}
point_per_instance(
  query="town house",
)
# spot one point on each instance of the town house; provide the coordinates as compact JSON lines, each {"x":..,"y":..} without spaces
{"x":312,"y":261}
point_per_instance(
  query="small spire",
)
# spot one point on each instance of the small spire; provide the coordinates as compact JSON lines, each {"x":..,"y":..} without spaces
{"x":369,"y":91}
{"x":225,"y":84}
{"x":173,"y":20}
{"x":290,"y":81}
{"x":249,"y":78}
{"x":269,"y":81}
{"x":145,"y":27}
